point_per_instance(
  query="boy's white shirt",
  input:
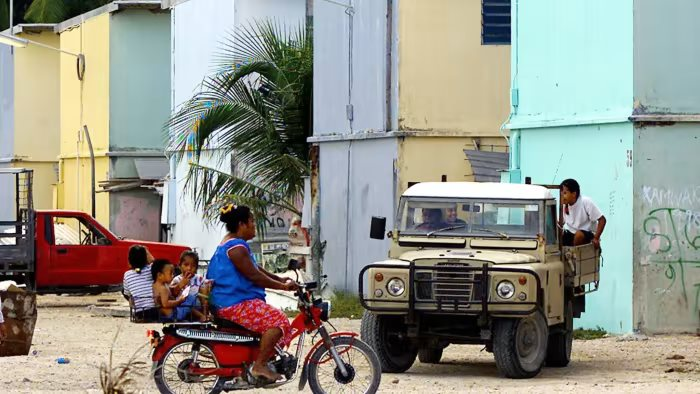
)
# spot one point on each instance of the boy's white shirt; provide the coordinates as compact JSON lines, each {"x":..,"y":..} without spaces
{"x":583,"y":215}
{"x":2,"y":319}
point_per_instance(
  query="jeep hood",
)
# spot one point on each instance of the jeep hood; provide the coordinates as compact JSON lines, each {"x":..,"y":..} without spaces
{"x":495,"y":256}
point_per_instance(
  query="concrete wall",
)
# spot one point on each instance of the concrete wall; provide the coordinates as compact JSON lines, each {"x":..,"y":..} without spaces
{"x":136,"y":214}
{"x":356,"y":183}
{"x":338,"y":81}
{"x":549,"y":156}
{"x":572,"y":62}
{"x":426,"y":159}
{"x":667,"y":228}
{"x":666,"y":56}
{"x":139,"y":80}
{"x":448,"y":81}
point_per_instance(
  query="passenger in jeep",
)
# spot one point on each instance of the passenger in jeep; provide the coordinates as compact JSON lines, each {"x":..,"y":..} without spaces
{"x":582,"y":220}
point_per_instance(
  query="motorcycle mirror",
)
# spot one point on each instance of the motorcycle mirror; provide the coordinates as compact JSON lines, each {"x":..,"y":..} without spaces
{"x":293,"y":265}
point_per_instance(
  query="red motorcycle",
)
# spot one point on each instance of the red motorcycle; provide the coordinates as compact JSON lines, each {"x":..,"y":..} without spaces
{"x":217,"y":356}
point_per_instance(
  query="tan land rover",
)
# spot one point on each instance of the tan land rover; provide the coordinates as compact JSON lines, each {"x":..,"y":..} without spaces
{"x":476,"y":263}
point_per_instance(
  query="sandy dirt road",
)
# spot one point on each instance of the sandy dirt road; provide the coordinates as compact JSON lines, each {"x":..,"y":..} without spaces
{"x":66,"y":328}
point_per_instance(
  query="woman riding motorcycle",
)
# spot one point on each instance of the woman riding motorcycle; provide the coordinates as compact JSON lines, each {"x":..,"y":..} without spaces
{"x":238,"y":293}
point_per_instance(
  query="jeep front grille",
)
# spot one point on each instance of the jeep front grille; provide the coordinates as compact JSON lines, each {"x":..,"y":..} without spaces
{"x":448,"y":285}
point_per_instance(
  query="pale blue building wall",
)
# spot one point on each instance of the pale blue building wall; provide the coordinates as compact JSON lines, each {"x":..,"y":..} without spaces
{"x":572,"y":81}
{"x":597,"y":156}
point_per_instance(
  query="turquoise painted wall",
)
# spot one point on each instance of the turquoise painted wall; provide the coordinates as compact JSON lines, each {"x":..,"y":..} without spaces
{"x":599,"y":157}
{"x":139,"y":80}
{"x":572,"y":61}
{"x":666,"y":56}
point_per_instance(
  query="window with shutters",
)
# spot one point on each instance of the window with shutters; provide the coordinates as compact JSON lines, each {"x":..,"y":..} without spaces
{"x":495,"y":22}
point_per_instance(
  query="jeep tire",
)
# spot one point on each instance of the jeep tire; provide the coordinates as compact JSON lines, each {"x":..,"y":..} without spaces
{"x":386,"y":334}
{"x":430,"y":355}
{"x":561,"y":339}
{"x":520,"y":345}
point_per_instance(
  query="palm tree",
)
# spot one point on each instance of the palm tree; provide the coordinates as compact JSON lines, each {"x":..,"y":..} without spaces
{"x":255,"y":107}
{"x":55,"y":11}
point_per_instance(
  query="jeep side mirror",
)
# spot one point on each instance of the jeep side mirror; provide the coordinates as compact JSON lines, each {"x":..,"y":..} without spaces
{"x":378,"y":227}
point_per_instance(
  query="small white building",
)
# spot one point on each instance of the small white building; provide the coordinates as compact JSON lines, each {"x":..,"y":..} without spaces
{"x":198,"y":29}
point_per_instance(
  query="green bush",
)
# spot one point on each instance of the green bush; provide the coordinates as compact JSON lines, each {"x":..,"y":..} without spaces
{"x":588,"y":334}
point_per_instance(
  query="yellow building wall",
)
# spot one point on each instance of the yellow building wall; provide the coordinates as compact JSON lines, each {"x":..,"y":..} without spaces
{"x":37,"y":113}
{"x":75,"y":187}
{"x":37,"y":106}
{"x":44,"y":181}
{"x":448,"y":81}
{"x":426,"y":159}
{"x":85,"y":102}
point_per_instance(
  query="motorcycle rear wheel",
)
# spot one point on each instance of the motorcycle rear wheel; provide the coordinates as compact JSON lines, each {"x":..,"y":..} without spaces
{"x":171,"y":375}
{"x":365,"y":372}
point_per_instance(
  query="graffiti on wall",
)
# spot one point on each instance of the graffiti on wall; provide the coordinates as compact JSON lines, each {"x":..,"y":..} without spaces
{"x":671,"y":228}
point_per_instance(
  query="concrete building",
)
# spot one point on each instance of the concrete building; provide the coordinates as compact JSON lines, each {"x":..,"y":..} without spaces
{"x":402,"y":90}
{"x":198,"y":29}
{"x":124,"y":100}
{"x":29,"y":116}
{"x":606,"y":92}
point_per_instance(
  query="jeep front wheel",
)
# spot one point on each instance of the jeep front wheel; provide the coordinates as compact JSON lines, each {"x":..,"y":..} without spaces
{"x":520,"y":345}
{"x":386,"y":334}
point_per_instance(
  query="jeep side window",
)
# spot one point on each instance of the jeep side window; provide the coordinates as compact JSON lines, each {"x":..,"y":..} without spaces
{"x":550,"y":224}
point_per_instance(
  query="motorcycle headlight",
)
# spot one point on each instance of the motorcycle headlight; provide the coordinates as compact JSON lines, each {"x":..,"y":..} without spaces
{"x":505,"y":289}
{"x":325,"y":310}
{"x":395,"y":287}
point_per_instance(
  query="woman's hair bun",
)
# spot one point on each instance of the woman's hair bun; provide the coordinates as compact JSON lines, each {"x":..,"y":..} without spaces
{"x":227,"y":212}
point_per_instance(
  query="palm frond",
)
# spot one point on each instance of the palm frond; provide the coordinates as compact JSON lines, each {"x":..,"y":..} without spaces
{"x":47,"y":11}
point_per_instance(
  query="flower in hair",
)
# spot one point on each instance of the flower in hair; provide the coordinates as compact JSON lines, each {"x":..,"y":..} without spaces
{"x":227,"y":209}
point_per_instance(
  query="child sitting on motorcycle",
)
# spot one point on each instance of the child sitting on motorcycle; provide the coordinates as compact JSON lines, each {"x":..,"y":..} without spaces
{"x":162,"y":272}
{"x":239,"y":288}
{"x":195,"y":305}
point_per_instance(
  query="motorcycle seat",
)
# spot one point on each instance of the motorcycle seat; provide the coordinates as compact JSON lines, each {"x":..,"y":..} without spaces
{"x":223,"y":323}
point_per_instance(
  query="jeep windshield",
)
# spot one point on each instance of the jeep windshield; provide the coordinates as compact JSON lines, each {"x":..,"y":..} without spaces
{"x":437,"y":217}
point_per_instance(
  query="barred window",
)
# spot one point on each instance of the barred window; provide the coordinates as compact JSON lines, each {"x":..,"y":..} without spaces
{"x":495,"y":22}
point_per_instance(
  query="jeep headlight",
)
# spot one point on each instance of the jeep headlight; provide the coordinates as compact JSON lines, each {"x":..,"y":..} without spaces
{"x":395,"y":287}
{"x":505,"y":289}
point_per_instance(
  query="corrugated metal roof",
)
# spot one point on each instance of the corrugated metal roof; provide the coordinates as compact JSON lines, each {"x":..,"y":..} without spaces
{"x":486,"y":165}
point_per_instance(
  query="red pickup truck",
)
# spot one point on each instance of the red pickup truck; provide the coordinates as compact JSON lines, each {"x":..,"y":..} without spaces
{"x":63,"y":251}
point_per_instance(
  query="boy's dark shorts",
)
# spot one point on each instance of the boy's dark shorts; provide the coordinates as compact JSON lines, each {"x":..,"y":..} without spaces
{"x":568,"y":237}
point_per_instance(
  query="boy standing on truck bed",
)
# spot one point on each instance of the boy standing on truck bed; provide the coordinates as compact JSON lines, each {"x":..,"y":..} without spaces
{"x":580,"y":216}
{"x":3,"y":331}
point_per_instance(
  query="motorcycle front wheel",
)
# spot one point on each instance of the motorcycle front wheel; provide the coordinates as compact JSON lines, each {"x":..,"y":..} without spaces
{"x":361,"y":363}
{"x":171,"y":373}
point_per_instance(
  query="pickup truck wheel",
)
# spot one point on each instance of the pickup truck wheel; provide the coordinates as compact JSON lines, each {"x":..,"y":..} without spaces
{"x":560,"y":341}
{"x":520,"y":345}
{"x":430,"y":355}
{"x":386,"y":334}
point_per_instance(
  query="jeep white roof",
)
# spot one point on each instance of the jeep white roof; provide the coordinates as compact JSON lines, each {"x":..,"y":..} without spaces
{"x":479,"y":190}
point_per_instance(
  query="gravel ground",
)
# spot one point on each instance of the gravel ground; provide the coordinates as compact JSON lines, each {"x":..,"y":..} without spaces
{"x":66,"y":328}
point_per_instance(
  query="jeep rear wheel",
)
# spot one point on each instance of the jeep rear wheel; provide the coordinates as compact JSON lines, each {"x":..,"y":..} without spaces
{"x":430,"y":355}
{"x":386,"y":334}
{"x":561,"y":339}
{"x":520,"y":345}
